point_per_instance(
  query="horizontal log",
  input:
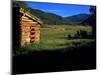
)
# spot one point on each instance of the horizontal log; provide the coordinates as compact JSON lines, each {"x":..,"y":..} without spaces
{"x":26,"y":20}
{"x":32,"y":35}
{"x":29,"y":23}
{"x":24,"y":17}
{"x":32,"y":39}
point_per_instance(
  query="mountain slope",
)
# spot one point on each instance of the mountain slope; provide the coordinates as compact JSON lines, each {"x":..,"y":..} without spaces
{"x":50,"y":18}
{"x":77,"y":18}
{"x":47,"y":18}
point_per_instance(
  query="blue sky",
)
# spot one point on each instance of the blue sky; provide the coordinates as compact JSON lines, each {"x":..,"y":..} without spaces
{"x":63,"y":10}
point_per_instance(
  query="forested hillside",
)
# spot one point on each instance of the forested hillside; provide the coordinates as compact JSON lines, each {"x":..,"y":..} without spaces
{"x":47,"y":18}
{"x":51,"y":18}
{"x":79,"y":18}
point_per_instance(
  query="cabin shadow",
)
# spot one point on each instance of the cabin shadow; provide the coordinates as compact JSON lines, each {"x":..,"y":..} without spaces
{"x":68,"y":59}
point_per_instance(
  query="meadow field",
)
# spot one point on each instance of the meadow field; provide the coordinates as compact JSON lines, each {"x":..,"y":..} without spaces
{"x":56,"y":37}
{"x":57,"y":51}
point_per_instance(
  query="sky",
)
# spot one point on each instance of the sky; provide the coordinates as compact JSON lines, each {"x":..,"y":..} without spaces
{"x":63,"y":10}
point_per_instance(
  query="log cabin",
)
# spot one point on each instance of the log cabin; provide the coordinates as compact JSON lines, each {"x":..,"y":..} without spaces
{"x":26,"y":27}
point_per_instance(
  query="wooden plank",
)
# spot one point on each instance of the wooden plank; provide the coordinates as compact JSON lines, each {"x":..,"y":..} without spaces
{"x":24,"y":19}
{"x":32,"y":23}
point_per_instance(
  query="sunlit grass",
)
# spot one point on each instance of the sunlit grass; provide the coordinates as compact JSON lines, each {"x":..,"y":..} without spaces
{"x":54,"y":37}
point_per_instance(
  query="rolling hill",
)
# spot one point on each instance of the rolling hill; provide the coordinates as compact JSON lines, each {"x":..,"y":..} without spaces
{"x":51,"y":18}
{"x":77,"y":19}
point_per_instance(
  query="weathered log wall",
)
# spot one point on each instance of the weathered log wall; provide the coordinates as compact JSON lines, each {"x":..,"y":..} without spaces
{"x":26,"y":28}
{"x":30,"y":30}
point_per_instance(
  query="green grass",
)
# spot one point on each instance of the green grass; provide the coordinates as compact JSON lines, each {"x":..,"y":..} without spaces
{"x":55,"y":37}
{"x":54,"y":45}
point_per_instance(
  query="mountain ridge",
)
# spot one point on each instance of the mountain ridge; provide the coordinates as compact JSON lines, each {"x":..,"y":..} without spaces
{"x":51,"y":18}
{"x":78,"y":18}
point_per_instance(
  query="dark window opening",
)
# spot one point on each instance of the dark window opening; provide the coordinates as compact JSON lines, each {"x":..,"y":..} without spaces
{"x":32,"y":29}
{"x":32,"y":37}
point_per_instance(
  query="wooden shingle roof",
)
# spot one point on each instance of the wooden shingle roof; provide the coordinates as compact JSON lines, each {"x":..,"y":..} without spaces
{"x":26,"y":13}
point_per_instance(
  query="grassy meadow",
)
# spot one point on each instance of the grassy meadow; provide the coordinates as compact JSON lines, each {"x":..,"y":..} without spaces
{"x":55,"y":37}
